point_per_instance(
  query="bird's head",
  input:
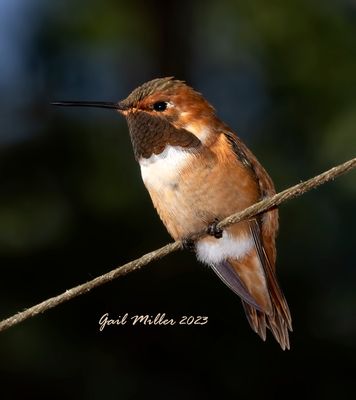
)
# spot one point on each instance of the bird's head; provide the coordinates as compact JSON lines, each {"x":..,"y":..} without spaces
{"x":160,"y":112}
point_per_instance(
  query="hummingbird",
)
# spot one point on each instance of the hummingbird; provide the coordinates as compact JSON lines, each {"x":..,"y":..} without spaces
{"x":197,"y":172}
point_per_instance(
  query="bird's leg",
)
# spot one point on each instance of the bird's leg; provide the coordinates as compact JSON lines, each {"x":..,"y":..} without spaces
{"x":214,"y":230}
{"x":188,"y":244}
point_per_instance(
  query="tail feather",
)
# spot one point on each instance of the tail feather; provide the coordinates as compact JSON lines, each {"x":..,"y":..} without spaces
{"x":279,"y":321}
{"x":262,"y":299}
{"x":259,"y":321}
{"x":252,"y":277}
{"x":276,"y":294}
{"x":279,"y":329}
{"x":256,"y":319}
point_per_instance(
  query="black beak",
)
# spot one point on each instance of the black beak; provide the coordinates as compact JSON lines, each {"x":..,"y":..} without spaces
{"x":96,"y":104}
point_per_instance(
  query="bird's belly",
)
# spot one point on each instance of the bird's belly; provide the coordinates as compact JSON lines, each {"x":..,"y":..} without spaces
{"x":190,"y":193}
{"x":172,"y":197}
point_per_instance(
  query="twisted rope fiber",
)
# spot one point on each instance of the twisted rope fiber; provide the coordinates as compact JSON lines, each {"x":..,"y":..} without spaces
{"x":249,"y":212}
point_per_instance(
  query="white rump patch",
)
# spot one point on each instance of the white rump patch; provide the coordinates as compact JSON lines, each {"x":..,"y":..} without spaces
{"x":227,"y":247}
{"x":163,"y":169}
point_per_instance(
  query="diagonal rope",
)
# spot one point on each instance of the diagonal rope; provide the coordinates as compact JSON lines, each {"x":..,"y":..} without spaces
{"x":131,"y":266}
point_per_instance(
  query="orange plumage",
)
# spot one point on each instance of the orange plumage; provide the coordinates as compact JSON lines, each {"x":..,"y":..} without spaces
{"x":198,"y":171}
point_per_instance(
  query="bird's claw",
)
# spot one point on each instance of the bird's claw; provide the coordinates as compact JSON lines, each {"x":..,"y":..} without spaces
{"x":214,"y":230}
{"x":188,"y":244}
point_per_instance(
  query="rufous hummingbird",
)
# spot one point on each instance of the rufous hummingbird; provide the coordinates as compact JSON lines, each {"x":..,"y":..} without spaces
{"x":197,"y":172}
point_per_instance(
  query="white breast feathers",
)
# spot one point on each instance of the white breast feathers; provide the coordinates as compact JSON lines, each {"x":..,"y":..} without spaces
{"x":163,"y":169}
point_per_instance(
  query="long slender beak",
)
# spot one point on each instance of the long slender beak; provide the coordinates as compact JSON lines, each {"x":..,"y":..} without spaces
{"x":96,"y":104}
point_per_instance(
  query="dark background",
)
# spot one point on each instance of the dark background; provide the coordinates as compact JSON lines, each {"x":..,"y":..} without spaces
{"x":72,"y":204}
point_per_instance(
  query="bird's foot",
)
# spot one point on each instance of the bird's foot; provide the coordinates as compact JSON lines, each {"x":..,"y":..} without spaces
{"x":188,"y":244}
{"x":214,"y":230}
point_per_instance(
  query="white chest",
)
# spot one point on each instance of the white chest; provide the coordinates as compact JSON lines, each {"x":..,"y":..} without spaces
{"x":162,"y":170}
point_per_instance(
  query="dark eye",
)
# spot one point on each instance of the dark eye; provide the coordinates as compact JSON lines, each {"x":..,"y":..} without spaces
{"x":160,"y":106}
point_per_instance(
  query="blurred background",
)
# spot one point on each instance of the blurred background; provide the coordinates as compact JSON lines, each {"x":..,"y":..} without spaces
{"x":72,"y":204}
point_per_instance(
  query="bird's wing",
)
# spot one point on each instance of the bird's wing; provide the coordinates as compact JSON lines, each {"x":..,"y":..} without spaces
{"x":269,"y":219}
{"x":279,"y":321}
{"x":231,"y":278}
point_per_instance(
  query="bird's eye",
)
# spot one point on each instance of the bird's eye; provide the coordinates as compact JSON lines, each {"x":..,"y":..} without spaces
{"x":160,"y":106}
